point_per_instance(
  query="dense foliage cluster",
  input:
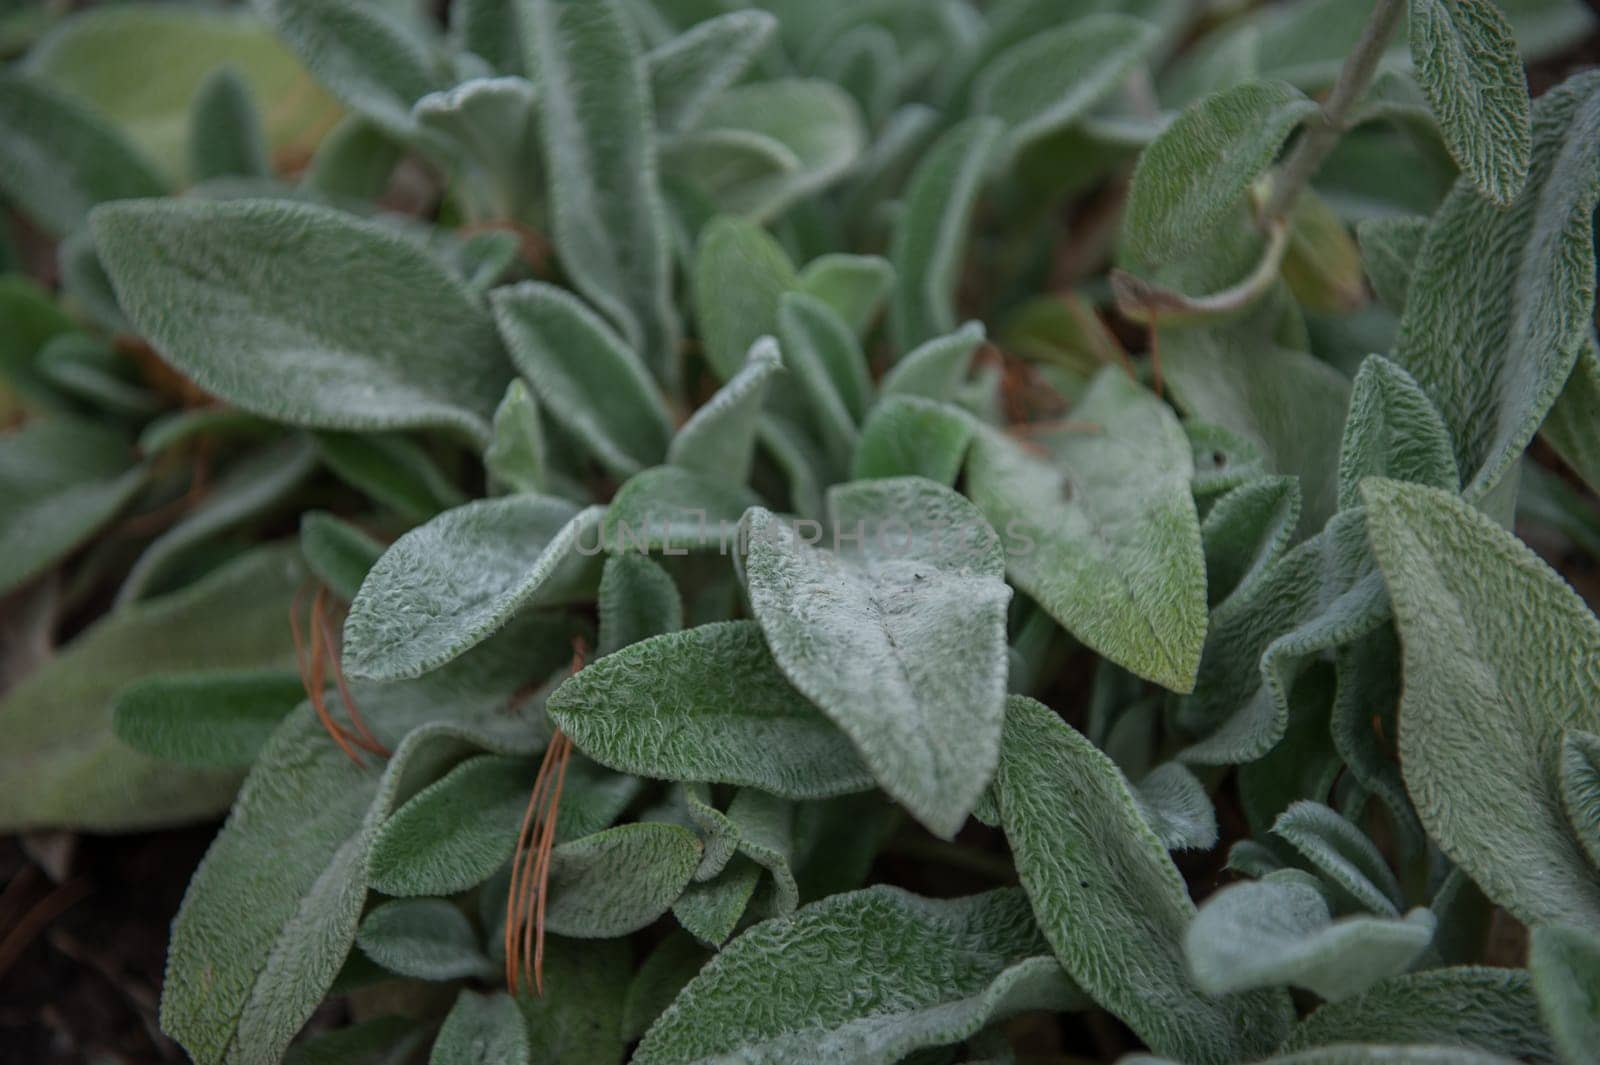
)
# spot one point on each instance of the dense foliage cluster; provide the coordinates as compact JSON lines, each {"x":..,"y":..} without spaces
{"x":815,"y":532}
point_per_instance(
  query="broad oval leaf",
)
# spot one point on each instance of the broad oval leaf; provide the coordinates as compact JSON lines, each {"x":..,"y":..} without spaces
{"x":960,"y":964}
{"x":1109,"y":899}
{"x":719,"y":439}
{"x":638,"y":600}
{"x":687,"y":72}
{"x":937,"y":367}
{"x":618,"y":881}
{"x":444,"y":587}
{"x":1499,"y":659}
{"x":425,"y":939}
{"x":1566,"y":977}
{"x":304,"y":314}
{"x":1392,"y":430}
{"x":1343,"y":854}
{"x":908,"y":436}
{"x":897,"y":633}
{"x":226,"y":138}
{"x":706,"y":704}
{"x":1103,"y":532}
{"x":482,"y":1030}
{"x":208,"y":720}
{"x":740,"y":274}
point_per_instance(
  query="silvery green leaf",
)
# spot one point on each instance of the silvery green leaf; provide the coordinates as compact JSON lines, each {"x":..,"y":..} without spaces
{"x":819,"y":349}
{"x":1324,"y":593}
{"x":205,"y":720}
{"x":801,"y":460}
{"x":61,"y":158}
{"x":607,"y":217}
{"x":616,"y":882}
{"x":444,"y":587}
{"x":337,"y":553}
{"x":491,"y":122}
{"x":1365,"y":711}
{"x":515,"y":458}
{"x":740,"y":273}
{"x":425,"y":939}
{"x":1571,"y":425}
{"x":965,"y":962}
{"x":90,"y":373}
{"x":855,"y":286}
{"x":225,"y":134}
{"x":711,"y":910}
{"x":256,"y":485}
{"x":1177,"y":807}
{"x":1109,"y":899}
{"x":585,"y":376}
{"x":1189,"y":182}
{"x":868,"y":632}
{"x":1389,"y":249}
{"x":62,"y":762}
{"x":1054,"y":78}
{"x":482,"y":1030}
{"x":764,"y":826}
{"x":1278,"y":931}
{"x":362,"y":53}
{"x":1305,"y":764}
{"x":1085,"y":526}
{"x":1492,"y":1010}
{"x":908,"y":436}
{"x":1500,"y":306}
{"x":491,"y":30}
{"x":355,"y":161}
{"x":303,"y":314}
{"x":671,"y":965}
{"x":578,"y":1020}
{"x":1580,"y":787}
{"x":930,"y":235}
{"x":1223,"y":459}
{"x":1466,"y":59}
{"x":1245,"y":532}
{"x":1496,"y":668}
{"x":1392,"y":430}
{"x":688,"y":71}
{"x":818,"y":124}
{"x":63,"y":478}
{"x":1565,"y":962}
{"x":706,"y":704}
{"x":252,"y":955}
{"x":637,"y":600}
{"x":671,"y":510}
{"x":1343,"y":854}
{"x":1287,"y":403}
{"x":719,"y":439}
{"x":937,"y":367}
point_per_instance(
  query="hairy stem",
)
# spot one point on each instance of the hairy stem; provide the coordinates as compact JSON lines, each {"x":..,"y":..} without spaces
{"x":1324,"y":131}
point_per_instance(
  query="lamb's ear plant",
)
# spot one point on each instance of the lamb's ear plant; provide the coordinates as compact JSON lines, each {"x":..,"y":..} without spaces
{"x":818,"y":533}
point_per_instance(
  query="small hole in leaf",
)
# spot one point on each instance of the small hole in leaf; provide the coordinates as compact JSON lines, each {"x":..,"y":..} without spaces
{"x":1218,"y":459}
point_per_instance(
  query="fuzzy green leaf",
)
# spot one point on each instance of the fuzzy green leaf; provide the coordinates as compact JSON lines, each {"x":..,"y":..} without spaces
{"x":491,"y":123}
{"x":1245,"y":532}
{"x":961,"y":964}
{"x":1178,"y":809}
{"x":1344,"y":856}
{"x":1389,"y":248}
{"x":1082,"y":847}
{"x":578,"y":1020}
{"x":1492,"y":1010}
{"x":1278,"y":931}
{"x":719,"y":439}
{"x":937,"y":367}
{"x":908,"y":436}
{"x":482,"y":1030}
{"x":226,"y":138}
{"x":63,"y":478}
{"x":585,"y":376}
{"x":515,"y":458}
{"x":61,"y":159}
{"x":1467,"y":62}
{"x":707,"y":704}
{"x":673,"y":510}
{"x":425,"y":939}
{"x":444,"y":587}
{"x":1393,"y":430}
{"x":1054,"y":78}
{"x":869,"y":631}
{"x":819,"y":350}
{"x":638,"y":600}
{"x":931,"y":235}
{"x":687,"y":72}
{"x":606,"y":213}
{"x":1501,"y":304}
{"x":618,"y":881}
{"x":303,"y":314}
{"x":1565,"y":962}
{"x":1499,"y":659}
{"x":1103,"y":532}
{"x":660,"y":978}
{"x":740,"y":273}
{"x":205,"y":720}
{"x":1190,"y":181}
{"x":855,"y":286}
{"x":1573,"y":427}
{"x":1365,"y":1054}
{"x":337,"y":553}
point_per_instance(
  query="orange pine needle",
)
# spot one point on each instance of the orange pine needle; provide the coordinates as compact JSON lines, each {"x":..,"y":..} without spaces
{"x":364,"y":737}
{"x":309,"y":656}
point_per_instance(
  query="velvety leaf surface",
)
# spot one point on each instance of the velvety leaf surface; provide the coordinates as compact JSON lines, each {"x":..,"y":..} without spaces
{"x":687,"y":72}
{"x":707,"y":704}
{"x":515,"y":458}
{"x":1467,"y":62}
{"x":1527,"y":275}
{"x":789,"y":990}
{"x":482,"y":1030}
{"x":819,"y":349}
{"x":1108,"y":898}
{"x":871,"y":633}
{"x":673,"y":510}
{"x":584,"y":375}
{"x":1392,"y":430}
{"x":638,"y":599}
{"x":1177,"y":807}
{"x":61,"y":761}
{"x":1245,"y":532}
{"x":425,"y":939}
{"x":445,"y":586}
{"x":936,"y":368}
{"x":226,"y":138}
{"x":1499,"y":661}
{"x":1389,"y":248}
{"x":618,"y":881}
{"x":740,"y":273}
{"x":855,"y":286}
{"x":303,"y":314}
{"x":1110,"y":542}
{"x":1278,"y":931}
{"x":719,"y":439}
{"x":578,"y":1020}
{"x":209,"y":720}
{"x":1566,"y":977}
{"x":908,"y":436}
{"x":1573,"y":425}
{"x":1191,"y":179}
{"x":337,"y":553}
{"x":1343,"y":855}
